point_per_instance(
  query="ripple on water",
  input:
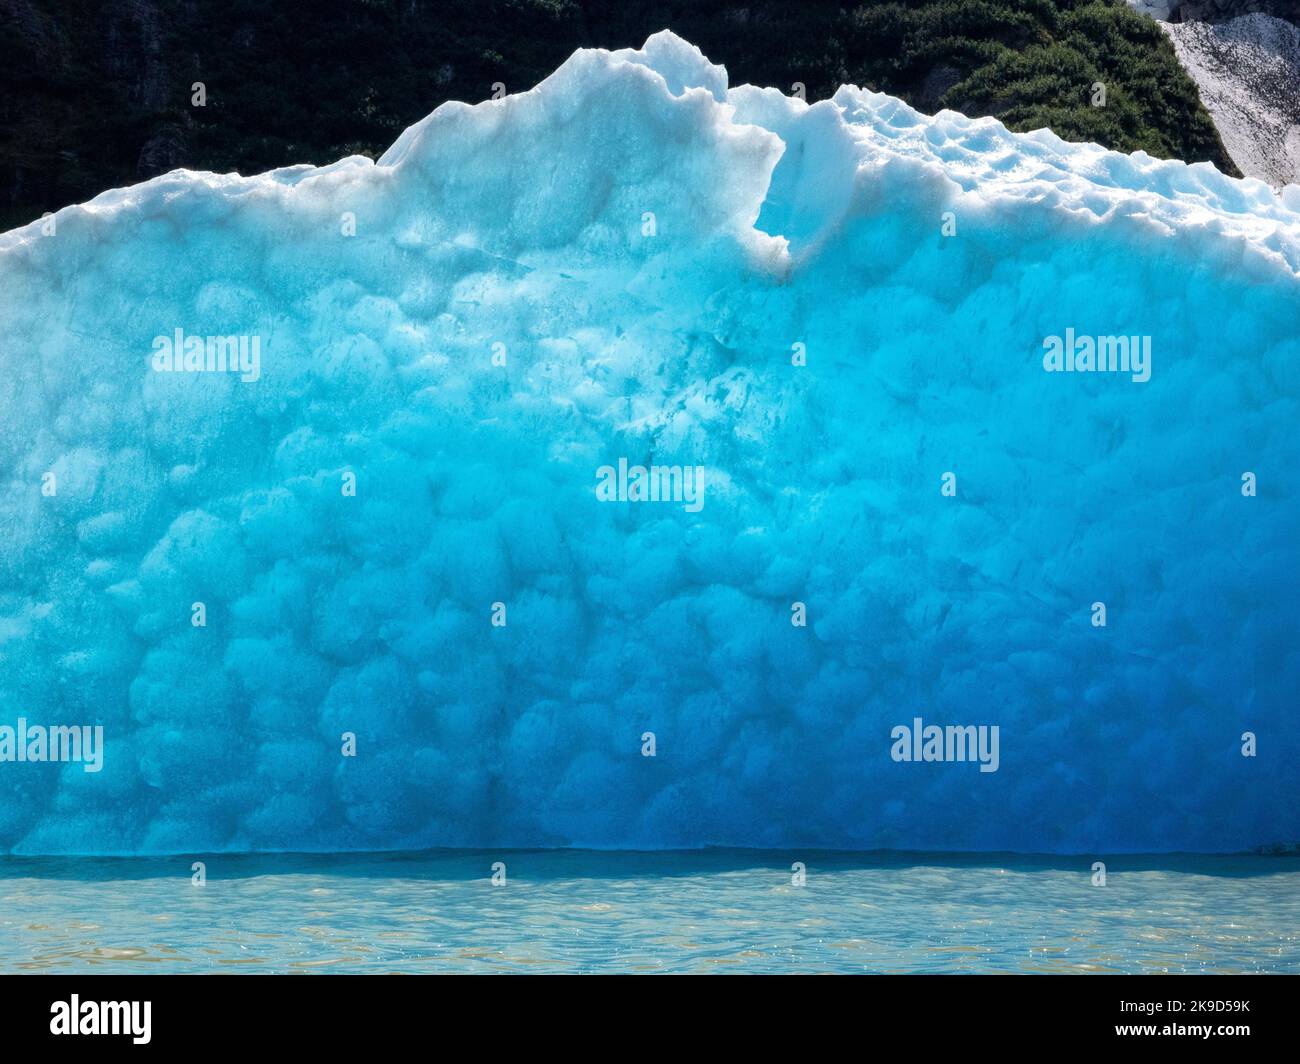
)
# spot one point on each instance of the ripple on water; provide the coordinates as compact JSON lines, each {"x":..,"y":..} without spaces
{"x":570,"y":911}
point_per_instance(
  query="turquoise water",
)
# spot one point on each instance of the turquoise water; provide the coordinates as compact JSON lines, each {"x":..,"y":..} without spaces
{"x":697,"y":911}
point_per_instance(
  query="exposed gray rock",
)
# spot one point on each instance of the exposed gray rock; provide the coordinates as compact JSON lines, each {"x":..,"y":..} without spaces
{"x":1215,"y":10}
{"x":1223,"y":10}
{"x":1248,"y":72}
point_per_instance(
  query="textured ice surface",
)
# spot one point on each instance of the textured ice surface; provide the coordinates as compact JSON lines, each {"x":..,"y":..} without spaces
{"x":521,"y":228}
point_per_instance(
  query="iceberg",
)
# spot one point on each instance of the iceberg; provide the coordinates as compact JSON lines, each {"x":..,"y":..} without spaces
{"x":369,"y":593}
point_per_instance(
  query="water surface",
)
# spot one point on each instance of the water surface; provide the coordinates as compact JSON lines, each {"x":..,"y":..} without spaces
{"x":697,"y":911}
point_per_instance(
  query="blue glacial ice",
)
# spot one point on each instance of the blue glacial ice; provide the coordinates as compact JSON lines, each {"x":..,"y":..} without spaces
{"x":827,"y":309}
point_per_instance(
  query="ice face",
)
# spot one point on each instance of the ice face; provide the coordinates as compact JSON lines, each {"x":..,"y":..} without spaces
{"x":510,"y":465}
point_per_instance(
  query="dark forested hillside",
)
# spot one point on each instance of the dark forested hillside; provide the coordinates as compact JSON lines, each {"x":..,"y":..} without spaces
{"x":96,"y":94}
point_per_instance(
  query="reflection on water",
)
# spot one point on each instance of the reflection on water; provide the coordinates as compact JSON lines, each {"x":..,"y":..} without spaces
{"x":579,"y":911}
